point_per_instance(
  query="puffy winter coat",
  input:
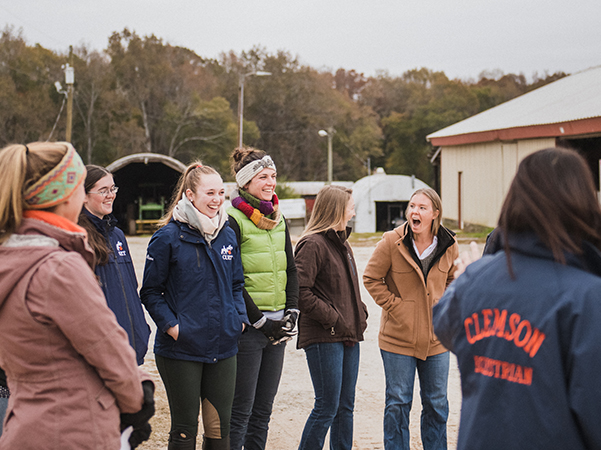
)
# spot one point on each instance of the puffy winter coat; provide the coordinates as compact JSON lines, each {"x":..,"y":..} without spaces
{"x":198,"y":286}
{"x":396,"y":282}
{"x":120,"y":286}
{"x":528,"y":347}
{"x":330,"y":298}
{"x":69,"y":365}
{"x":264,"y":261}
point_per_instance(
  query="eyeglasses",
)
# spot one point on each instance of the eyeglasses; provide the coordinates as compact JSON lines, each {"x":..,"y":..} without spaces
{"x":105,"y":192}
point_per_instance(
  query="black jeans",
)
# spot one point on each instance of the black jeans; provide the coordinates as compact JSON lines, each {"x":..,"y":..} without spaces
{"x":259,"y":370}
{"x":187,"y":383}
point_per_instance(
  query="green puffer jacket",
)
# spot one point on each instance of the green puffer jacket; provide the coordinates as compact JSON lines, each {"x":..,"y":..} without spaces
{"x":264,"y":261}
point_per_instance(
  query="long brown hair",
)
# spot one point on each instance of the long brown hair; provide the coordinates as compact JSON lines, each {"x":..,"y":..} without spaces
{"x":190,"y":179}
{"x":554,"y":196}
{"x":20,"y":167}
{"x":95,"y":238}
{"x":329,"y":209}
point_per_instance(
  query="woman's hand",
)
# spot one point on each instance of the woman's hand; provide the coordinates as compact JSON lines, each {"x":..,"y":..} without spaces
{"x":466,"y":258}
{"x":174,"y":332}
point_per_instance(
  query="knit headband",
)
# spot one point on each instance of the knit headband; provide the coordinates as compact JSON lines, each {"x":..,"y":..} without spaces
{"x":58,"y":184}
{"x":249,"y":171}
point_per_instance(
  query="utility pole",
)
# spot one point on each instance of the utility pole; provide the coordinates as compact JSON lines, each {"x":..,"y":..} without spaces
{"x":69,"y":80}
{"x":330,"y":134}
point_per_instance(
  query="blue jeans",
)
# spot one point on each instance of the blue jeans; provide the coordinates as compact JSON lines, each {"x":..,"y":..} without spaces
{"x":433,"y":375}
{"x":334,"y":368}
{"x":259,"y":370}
{"x":3,"y":406}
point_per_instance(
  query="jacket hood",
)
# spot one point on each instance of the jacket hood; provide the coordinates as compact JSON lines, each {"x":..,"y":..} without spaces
{"x":33,"y":241}
{"x":530,"y":244}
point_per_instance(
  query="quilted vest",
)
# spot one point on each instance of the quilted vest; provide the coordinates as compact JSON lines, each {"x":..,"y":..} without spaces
{"x":264,"y":261}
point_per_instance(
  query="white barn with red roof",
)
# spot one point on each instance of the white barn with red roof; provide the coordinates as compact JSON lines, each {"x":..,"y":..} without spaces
{"x":479,"y":155}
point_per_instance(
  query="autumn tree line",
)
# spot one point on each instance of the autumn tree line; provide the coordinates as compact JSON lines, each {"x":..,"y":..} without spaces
{"x":142,"y":94}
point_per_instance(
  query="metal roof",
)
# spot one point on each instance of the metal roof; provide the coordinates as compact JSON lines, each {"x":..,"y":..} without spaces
{"x":569,"y":99}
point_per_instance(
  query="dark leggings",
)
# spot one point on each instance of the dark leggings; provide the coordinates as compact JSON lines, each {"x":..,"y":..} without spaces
{"x":187,"y":383}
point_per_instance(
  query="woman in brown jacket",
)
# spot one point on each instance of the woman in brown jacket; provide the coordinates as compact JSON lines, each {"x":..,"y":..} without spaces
{"x":333,"y":318}
{"x":406,"y":275}
{"x":69,"y":365}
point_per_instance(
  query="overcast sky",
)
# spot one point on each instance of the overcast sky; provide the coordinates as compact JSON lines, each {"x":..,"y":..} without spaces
{"x":460,"y":37}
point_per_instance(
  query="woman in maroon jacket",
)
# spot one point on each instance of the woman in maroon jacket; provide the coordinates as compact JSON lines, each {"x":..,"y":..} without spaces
{"x":333,"y":318}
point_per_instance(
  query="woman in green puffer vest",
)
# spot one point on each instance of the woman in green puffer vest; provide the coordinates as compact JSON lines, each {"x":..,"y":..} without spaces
{"x":270,"y":293}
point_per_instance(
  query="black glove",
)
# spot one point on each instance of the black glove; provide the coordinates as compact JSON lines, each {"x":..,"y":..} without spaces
{"x":291,"y":319}
{"x":140,"y":435}
{"x":273,"y":329}
{"x":140,"y":419}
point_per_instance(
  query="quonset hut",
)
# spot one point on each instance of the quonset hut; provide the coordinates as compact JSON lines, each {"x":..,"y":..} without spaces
{"x":381,"y":200}
{"x":146,"y":182}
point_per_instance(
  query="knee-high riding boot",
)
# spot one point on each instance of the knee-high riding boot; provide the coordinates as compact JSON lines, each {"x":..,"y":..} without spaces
{"x":216,"y":444}
{"x":180,"y":440}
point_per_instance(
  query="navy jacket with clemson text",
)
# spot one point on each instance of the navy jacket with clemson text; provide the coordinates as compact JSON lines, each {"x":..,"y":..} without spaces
{"x":528,"y":348}
{"x":120,"y":286}
{"x":198,"y":286}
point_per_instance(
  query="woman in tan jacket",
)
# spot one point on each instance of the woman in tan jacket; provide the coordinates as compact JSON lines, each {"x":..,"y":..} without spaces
{"x":406,"y":275}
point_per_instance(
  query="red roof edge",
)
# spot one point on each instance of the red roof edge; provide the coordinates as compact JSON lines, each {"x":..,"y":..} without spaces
{"x":572,"y":128}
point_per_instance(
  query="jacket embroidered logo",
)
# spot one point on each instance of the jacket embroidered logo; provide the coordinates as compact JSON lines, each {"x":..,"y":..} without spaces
{"x":226,"y":253}
{"x":120,"y":250}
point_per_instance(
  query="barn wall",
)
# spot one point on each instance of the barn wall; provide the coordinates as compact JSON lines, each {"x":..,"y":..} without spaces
{"x":487,"y":170}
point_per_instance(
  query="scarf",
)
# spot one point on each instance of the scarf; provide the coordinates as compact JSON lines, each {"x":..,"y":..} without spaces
{"x":186,"y":212}
{"x":258,"y":210}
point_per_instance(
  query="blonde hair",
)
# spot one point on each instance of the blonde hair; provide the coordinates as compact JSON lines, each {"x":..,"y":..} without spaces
{"x":20,"y":167}
{"x":436,"y":206}
{"x":329,"y":209}
{"x":190,"y":179}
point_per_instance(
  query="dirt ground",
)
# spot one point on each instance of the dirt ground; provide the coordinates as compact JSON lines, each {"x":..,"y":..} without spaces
{"x":294,"y":400}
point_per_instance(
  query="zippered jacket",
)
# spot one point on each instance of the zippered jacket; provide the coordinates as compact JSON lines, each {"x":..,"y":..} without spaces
{"x":395,"y":280}
{"x":330,"y":297}
{"x":118,"y":282}
{"x":528,"y":348}
{"x":69,"y":366}
{"x":198,"y":286}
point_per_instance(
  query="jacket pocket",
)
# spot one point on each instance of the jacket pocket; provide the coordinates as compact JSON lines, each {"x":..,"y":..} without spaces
{"x":400,"y":324}
{"x":105,"y":398}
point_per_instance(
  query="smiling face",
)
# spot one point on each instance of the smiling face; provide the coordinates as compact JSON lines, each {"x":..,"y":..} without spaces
{"x":262,"y":186}
{"x":96,"y":202}
{"x":208,"y":196}
{"x":421,"y":214}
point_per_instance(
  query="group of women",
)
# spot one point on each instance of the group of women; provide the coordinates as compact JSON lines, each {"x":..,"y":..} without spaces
{"x":226,"y":290}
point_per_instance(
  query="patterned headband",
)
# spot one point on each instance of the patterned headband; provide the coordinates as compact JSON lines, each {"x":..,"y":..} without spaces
{"x":249,"y":171}
{"x":58,"y":184}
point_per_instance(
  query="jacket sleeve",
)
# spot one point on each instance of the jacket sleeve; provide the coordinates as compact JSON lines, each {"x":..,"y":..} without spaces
{"x":445,"y":318}
{"x":374,"y":276}
{"x":238,"y":286}
{"x":309,"y":263}
{"x":252,"y":310}
{"x":154,"y":284}
{"x":66,"y":294}
{"x":454,"y":252}
{"x":291,"y":275}
{"x":584,"y":366}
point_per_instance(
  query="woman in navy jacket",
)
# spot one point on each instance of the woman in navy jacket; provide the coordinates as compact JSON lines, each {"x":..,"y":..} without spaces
{"x":114,"y":266}
{"x":524,"y":322}
{"x":192,"y":288}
